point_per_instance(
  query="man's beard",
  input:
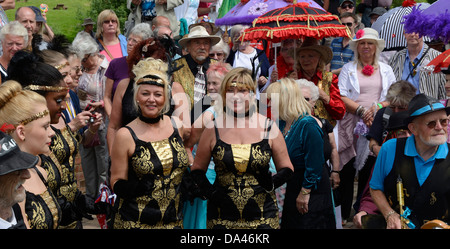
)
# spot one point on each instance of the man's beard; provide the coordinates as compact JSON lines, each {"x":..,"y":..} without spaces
{"x":434,"y":140}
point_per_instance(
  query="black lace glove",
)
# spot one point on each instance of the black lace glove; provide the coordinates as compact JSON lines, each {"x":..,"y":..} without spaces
{"x":281,"y":177}
{"x":132,"y":189}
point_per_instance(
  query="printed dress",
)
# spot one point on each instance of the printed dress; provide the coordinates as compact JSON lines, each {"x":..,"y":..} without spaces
{"x":162,"y":165}
{"x":244,"y":204}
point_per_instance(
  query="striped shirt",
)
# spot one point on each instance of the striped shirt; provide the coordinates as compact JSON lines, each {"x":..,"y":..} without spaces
{"x":432,"y":85}
{"x":341,"y":55}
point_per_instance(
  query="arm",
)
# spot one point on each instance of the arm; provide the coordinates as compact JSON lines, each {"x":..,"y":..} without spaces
{"x":8,"y":4}
{"x":392,"y":218}
{"x":205,"y":145}
{"x":108,"y":96}
{"x":120,"y":153}
{"x":335,"y":106}
{"x":334,"y":161}
{"x":115,"y":120}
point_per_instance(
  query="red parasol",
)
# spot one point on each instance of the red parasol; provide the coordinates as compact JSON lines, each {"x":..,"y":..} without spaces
{"x":294,"y":22}
{"x":441,"y":61}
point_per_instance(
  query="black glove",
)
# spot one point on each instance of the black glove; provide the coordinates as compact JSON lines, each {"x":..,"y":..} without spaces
{"x":132,"y":189}
{"x":281,"y":177}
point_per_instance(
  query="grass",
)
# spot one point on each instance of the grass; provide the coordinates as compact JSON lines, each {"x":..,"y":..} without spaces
{"x":67,"y":22}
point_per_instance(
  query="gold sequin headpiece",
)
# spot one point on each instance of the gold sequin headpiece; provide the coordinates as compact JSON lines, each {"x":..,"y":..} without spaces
{"x":58,"y":67}
{"x":47,"y":88}
{"x":151,"y":80}
{"x":34,"y":117}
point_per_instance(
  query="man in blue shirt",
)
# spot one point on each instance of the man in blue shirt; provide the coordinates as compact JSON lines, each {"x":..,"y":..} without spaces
{"x":421,"y":161}
{"x":342,"y":53}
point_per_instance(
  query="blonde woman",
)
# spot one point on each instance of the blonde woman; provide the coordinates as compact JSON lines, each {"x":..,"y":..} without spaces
{"x":112,"y":43}
{"x":308,"y":201}
{"x":241,"y":142}
{"x":148,"y":158}
{"x":29,"y":116}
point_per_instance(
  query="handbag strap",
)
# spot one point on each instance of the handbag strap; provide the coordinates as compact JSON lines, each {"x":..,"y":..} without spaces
{"x":106,"y":49}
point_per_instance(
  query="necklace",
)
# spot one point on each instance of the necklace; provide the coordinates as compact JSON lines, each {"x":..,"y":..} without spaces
{"x":150,"y":120}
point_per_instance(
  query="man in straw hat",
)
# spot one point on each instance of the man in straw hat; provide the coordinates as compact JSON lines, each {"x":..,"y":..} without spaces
{"x":192,"y":75}
{"x":422,"y":163}
{"x":14,"y":165}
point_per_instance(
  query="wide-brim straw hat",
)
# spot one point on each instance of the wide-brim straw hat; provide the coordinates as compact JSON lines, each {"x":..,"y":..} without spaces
{"x":313,"y":44}
{"x":367,"y":34}
{"x":199,"y":32}
{"x":88,"y":21}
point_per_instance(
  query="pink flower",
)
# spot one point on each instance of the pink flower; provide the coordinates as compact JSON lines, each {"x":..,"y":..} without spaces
{"x":368,"y":70}
{"x":359,"y":34}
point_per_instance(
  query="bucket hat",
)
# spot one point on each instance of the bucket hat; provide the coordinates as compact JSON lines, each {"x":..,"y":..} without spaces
{"x":87,"y":21}
{"x":312,"y":44}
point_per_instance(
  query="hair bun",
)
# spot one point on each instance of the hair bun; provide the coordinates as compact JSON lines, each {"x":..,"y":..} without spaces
{"x":8,"y":90}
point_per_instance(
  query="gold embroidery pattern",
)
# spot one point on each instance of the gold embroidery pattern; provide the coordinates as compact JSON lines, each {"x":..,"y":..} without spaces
{"x":37,"y":220}
{"x":319,"y":109}
{"x":433,"y":199}
{"x":165,"y":186}
{"x":142,"y":164}
{"x":259,"y":158}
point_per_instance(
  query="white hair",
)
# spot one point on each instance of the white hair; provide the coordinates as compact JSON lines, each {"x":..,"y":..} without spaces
{"x":84,"y":44}
{"x":14,"y":28}
{"x":142,"y":30}
{"x":303,"y":83}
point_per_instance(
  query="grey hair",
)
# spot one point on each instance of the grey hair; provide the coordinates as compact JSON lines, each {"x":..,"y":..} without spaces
{"x":14,"y":28}
{"x":401,"y":93}
{"x":303,"y":83}
{"x":142,"y":30}
{"x":84,"y":44}
{"x":221,"y":46}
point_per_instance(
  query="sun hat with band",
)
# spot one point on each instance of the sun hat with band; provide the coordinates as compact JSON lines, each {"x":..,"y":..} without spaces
{"x":422,"y":104}
{"x":199,"y":32}
{"x":12,"y":158}
{"x":367,"y":34}
{"x":313,"y":44}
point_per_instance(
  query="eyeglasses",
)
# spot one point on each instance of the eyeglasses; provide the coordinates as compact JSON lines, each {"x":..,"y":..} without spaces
{"x":215,"y":54}
{"x":345,"y":6}
{"x":348,"y":24}
{"x":85,"y":58}
{"x":110,"y":21}
{"x":432,"y":124}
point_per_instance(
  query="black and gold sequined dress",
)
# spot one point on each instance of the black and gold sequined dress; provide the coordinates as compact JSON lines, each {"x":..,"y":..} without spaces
{"x":163,"y":164}
{"x":60,"y":167}
{"x":43,"y":211}
{"x":245,"y":203}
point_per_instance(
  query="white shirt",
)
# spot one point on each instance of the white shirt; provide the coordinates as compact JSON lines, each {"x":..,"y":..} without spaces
{"x":5,"y":224}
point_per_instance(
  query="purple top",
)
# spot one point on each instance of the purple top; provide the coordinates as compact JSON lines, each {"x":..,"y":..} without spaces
{"x":117,"y":71}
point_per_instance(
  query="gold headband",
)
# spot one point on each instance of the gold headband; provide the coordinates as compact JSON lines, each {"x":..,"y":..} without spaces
{"x":46,"y":88}
{"x":62,"y":65}
{"x":150,"y":81}
{"x":238,"y":84}
{"x":34,"y":117}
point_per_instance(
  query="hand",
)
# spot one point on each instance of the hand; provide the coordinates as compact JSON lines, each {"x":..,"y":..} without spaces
{"x":335,"y":180}
{"x":394,"y":222}
{"x":302,"y":201}
{"x":262,"y":80}
{"x":274,"y":76}
{"x":357,"y":218}
{"x":324,"y":97}
{"x":161,"y":2}
{"x":81,"y":120}
{"x":136,"y":2}
{"x":97,"y":121}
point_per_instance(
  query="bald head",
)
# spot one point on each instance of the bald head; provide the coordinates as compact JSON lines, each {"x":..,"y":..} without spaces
{"x":27,"y":18}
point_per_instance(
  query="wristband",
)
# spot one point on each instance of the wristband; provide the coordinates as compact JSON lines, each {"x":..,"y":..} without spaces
{"x":304,"y":192}
{"x":380,"y":105}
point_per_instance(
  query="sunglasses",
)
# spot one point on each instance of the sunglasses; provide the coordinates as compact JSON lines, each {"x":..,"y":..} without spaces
{"x":348,"y":24}
{"x":109,"y":21}
{"x":432,"y":124}
{"x":345,"y":6}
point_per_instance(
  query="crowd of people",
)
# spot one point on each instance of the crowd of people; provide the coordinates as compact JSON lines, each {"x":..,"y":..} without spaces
{"x":181,"y":124}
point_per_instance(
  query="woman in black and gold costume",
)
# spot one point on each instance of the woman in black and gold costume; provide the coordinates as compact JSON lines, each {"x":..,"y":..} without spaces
{"x":148,"y":158}
{"x":29,"y":116}
{"x":241,"y":142}
{"x":60,"y":162}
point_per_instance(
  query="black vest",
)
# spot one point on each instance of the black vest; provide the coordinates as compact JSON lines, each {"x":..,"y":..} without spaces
{"x":427,"y":202}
